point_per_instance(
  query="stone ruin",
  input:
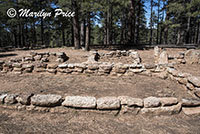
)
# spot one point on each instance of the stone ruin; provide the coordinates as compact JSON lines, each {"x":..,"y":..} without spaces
{"x":40,"y":62}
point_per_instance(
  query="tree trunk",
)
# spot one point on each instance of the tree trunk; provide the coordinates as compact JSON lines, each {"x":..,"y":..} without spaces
{"x":83,"y":33}
{"x":76,"y":25}
{"x":19,"y":36}
{"x":188,"y":31}
{"x":151,"y":24}
{"x":42,"y":31}
{"x":158,"y":22}
{"x":138,"y":22}
{"x":87,"y":44}
{"x":197,"y":33}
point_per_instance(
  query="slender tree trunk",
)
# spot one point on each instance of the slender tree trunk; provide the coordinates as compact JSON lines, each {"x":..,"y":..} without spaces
{"x":87,"y":44}
{"x":151,"y":24}
{"x":76,"y":25}
{"x":138,"y":22}
{"x":42,"y":31}
{"x":158,"y":23}
{"x":19,"y":36}
{"x":188,"y":31}
{"x":197,"y":33}
{"x":83,"y":33}
{"x":198,"y":39}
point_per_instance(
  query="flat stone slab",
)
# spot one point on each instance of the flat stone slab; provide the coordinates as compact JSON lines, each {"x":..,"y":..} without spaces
{"x":46,"y":100}
{"x":194,"y":80}
{"x":168,"y":101}
{"x":80,"y":102}
{"x":191,"y":110}
{"x":129,"y":101}
{"x":151,"y":102}
{"x":108,"y":103}
{"x":190,"y":102}
{"x":169,"y":110}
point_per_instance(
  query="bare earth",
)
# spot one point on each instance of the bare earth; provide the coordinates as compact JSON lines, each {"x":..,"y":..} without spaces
{"x":139,"y":86}
{"x":15,"y":122}
{"x":135,"y":86}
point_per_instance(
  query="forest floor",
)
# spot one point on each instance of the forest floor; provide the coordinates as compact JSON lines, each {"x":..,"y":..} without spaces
{"x":138,"y":86}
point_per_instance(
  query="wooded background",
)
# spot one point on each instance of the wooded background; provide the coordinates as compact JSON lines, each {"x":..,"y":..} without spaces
{"x":102,"y":22}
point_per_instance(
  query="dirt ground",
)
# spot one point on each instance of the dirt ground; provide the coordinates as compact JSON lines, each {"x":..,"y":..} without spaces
{"x":22,"y":122}
{"x":135,"y":86}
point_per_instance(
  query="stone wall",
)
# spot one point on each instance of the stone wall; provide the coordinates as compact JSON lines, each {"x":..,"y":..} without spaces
{"x":122,"y":104}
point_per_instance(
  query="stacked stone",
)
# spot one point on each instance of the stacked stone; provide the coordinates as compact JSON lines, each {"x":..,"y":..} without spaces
{"x":51,"y":68}
{"x":7,"y":67}
{"x":105,"y":68}
{"x":40,"y":67}
{"x":28,"y":68}
{"x":92,"y":68}
{"x":17,"y":68}
{"x":192,"y":56}
{"x":61,"y":57}
{"x":119,"y":69}
{"x":179,"y":58}
{"x":135,"y":56}
{"x":192,"y":83}
{"x":123,"y":104}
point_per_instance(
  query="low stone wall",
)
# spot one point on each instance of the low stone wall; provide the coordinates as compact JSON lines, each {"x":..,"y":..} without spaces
{"x":122,"y":104}
{"x":191,"y":83}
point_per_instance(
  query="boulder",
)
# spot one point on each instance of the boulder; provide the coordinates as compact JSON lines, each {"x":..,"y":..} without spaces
{"x":151,"y":102}
{"x":163,"y":58}
{"x":80,"y":102}
{"x":93,"y":57}
{"x":192,"y":56}
{"x":49,"y":100}
{"x":108,"y":103}
{"x":135,"y":56}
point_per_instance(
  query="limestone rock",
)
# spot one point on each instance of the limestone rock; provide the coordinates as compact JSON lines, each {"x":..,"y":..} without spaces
{"x":10,"y":99}
{"x":46,"y":100}
{"x":190,"y":102}
{"x":192,"y":56}
{"x":151,"y":102}
{"x":108,"y":103}
{"x":168,"y":101}
{"x":163,"y":58}
{"x":129,"y":101}
{"x":191,"y":110}
{"x":93,"y":57}
{"x":80,"y":102}
{"x":169,"y":110}
{"x":24,"y":99}
{"x":135,"y":56}
{"x":194,"y":80}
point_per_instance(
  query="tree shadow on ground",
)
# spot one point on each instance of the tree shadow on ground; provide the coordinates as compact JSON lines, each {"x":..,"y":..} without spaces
{"x":7,"y":55}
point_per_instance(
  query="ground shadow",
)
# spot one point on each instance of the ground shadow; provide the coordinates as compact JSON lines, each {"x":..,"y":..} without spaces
{"x":7,"y":55}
